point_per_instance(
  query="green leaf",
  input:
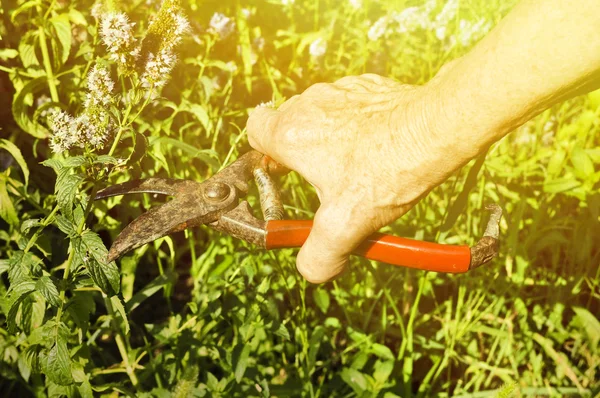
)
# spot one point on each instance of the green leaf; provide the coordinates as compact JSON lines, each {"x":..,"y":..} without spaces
{"x":65,"y":225}
{"x":322,"y":300}
{"x":18,"y":295}
{"x":28,"y":224}
{"x":591,"y":326}
{"x":7,"y":209}
{"x":354,"y":379}
{"x":584,"y":167}
{"x":80,"y":306}
{"x":16,"y":154}
{"x":118,"y":305}
{"x":208,"y":156}
{"x":20,"y":264}
{"x":8,"y":53}
{"x":48,"y":289}
{"x":105,"y":275}
{"x":67,"y":186}
{"x":383,"y":370}
{"x":105,"y":159}
{"x":62,"y":27}
{"x":27,"y":46}
{"x":20,"y":108}
{"x":240,"y":360}
{"x":561,"y":185}
{"x":77,"y":18}
{"x":282,"y":332}
{"x":75,"y":161}
{"x":264,"y":285}
{"x":23,"y":8}
{"x":381,"y":351}
{"x":313,"y":346}
{"x":58,"y":363}
{"x":55,"y":164}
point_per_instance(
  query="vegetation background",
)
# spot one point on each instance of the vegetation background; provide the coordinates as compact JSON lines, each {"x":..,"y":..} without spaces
{"x":201,"y":314}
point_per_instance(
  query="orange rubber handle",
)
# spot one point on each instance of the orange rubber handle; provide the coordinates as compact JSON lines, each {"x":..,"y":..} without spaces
{"x":389,"y":249}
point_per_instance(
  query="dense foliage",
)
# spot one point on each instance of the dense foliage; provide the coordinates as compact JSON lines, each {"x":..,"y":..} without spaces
{"x":93,"y":94}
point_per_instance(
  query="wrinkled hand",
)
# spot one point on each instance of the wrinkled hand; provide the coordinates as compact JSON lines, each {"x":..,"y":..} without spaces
{"x":370,"y":146}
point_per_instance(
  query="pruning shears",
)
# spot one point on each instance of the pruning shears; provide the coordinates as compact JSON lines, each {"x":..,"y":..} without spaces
{"x":218,"y":202}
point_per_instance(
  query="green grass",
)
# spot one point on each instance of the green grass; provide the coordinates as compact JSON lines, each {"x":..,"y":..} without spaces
{"x":201,"y":314}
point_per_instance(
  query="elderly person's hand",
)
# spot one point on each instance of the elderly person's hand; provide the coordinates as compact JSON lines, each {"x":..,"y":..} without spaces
{"x":370,"y":146}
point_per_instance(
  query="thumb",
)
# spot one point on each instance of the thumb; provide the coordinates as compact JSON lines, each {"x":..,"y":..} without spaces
{"x":261,"y":128}
{"x":334,"y":235}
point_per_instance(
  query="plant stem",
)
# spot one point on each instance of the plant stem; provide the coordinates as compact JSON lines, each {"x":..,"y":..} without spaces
{"x":48,"y":65}
{"x":37,"y":233}
{"x":120,"y":132}
{"x":120,"y":343}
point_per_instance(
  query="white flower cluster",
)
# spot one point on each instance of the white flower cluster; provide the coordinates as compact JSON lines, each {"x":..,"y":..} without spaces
{"x":318,"y":48}
{"x":221,"y":25}
{"x":117,"y":35}
{"x":158,"y":68}
{"x":100,"y":86}
{"x":91,"y":127}
{"x":160,"y":64}
{"x":64,"y":134}
{"x":94,"y":125}
{"x":378,"y":29}
{"x":425,"y":17}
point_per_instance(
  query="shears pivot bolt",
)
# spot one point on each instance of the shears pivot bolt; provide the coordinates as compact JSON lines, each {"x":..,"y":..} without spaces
{"x":217,"y":191}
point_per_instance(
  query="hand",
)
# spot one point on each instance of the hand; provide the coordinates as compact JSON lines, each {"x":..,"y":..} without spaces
{"x":370,"y":146}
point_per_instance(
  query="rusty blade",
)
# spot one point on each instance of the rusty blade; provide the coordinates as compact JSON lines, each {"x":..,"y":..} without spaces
{"x":184,"y":211}
{"x":193,"y":203}
{"x":161,"y":186}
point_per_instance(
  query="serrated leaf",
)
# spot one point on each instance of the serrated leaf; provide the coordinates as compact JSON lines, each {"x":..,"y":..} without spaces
{"x":75,"y":161}
{"x":65,"y":225}
{"x":27,"y":46}
{"x":58,"y":364}
{"x":20,"y":264}
{"x":62,"y":27}
{"x":18,"y":297}
{"x":118,"y":305}
{"x":105,"y":275}
{"x":28,"y":224}
{"x":16,"y":154}
{"x":66,"y":189}
{"x":46,"y":287}
{"x":105,"y":159}
{"x":240,"y":361}
{"x":55,"y":164}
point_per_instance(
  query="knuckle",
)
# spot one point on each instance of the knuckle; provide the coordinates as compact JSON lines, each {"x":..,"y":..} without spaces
{"x":318,"y":89}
